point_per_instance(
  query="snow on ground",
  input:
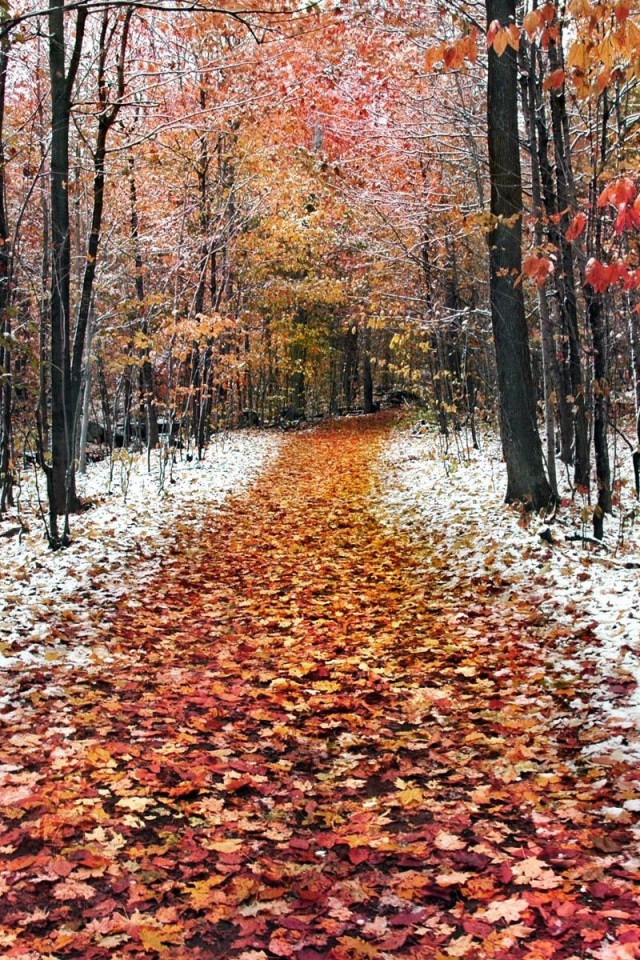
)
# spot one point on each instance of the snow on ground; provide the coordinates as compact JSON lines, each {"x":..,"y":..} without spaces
{"x":118,"y":543}
{"x":453,"y":496}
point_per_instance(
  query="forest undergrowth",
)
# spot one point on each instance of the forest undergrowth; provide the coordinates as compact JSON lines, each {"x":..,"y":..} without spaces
{"x":306,"y":744}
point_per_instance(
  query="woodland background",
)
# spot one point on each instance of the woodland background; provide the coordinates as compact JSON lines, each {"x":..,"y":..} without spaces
{"x":214,"y":218}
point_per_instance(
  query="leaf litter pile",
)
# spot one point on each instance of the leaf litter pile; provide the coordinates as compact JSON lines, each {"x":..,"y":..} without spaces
{"x":305,"y":746}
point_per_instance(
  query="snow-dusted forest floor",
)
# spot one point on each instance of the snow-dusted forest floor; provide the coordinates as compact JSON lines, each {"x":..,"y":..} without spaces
{"x":452,"y":495}
{"x":135,"y":516}
{"x":363,"y":710}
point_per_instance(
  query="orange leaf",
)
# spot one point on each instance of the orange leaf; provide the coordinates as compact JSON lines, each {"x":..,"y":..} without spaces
{"x":501,"y":42}
{"x":628,"y":217}
{"x":470,"y":46}
{"x":548,"y":13}
{"x":599,"y":276}
{"x":492,"y":32}
{"x":433,"y":56}
{"x":554,"y":81}
{"x":622,"y":9}
{"x":531,"y":22}
{"x":537,"y":268}
{"x":513,"y":36}
{"x":622,"y":190}
{"x":576,"y":227}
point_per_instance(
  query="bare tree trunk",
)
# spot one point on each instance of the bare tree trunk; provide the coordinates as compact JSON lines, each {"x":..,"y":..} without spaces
{"x":86,"y":401}
{"x":550,"y":386}
{"x":6,"y":381}
{"x":597,"y":322}
{"x":147,"y":386}
{"x":367,"y":373}
{"x":565,"y":276}
{"x":60,"y":472}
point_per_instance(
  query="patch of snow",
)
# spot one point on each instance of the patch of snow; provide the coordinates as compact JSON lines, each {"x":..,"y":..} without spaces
{"x":452,"y":500}
{"x":118,"y":543}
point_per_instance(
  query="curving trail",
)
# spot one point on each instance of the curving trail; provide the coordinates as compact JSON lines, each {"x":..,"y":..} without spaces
{"x":307,"y":747}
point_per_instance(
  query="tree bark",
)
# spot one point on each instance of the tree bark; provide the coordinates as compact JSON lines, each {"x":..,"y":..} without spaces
{"x":565,"y":276}
{"x":6,"y":385}
{"x":367,"y":373}
{"x":60,"y":473}
{"x":596,"y":315}
{"x":549,"y":368}
{"x":147,"y":386}
{"x":526,"y":479}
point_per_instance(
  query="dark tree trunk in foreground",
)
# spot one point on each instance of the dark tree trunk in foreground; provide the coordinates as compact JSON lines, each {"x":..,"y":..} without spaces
{"x":60,"y":472}
{"x":526,"y":479}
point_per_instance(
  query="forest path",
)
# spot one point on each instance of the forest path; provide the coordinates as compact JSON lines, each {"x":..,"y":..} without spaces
{"x":306,"y":746}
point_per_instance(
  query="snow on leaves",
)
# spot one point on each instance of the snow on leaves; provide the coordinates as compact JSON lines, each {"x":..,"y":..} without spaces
{"x":308,"y":746}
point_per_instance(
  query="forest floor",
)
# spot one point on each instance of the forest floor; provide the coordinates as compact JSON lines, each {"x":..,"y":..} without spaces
{"x":315,"y":734}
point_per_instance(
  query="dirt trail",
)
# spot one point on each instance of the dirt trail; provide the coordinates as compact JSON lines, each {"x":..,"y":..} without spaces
{"x":307,"y":747}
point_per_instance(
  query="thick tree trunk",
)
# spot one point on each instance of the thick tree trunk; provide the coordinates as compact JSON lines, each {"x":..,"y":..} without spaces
{"x":526,"y":479}
{"x":42,"y":419}
{"x":60,"y":472}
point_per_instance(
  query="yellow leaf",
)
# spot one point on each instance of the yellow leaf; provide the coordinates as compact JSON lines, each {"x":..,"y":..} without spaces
{"x":232,"y":845}
{"x":136,"y":804}
{"x":578,"y":57}
{"x":411,"y":796}
{"x":452,"y":879}
{"x":200,"y":892}
{"x":460,"y":947}
{"x":359,"y":948}
{"x":157,"y":938}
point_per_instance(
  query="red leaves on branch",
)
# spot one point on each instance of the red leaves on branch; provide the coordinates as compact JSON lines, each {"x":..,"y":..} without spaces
{"x":555,"y":80}
{"x":453,"y":55}
{"x":602,"y":276}
{"x":538,"y":268}
{"x":500,"y":37}
{"x":576,"y":227}
{"x":623,"y":195}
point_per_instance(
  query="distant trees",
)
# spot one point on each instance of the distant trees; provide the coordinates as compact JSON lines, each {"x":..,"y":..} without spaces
{"x":199,"y":230}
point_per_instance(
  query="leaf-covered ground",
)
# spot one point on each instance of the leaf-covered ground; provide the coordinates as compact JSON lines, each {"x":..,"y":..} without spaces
{"x":307,"y":745}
